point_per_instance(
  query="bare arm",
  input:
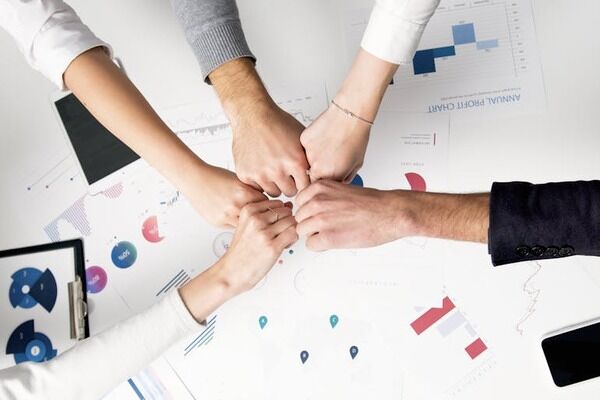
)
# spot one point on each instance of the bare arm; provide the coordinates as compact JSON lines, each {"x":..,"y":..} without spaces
{"x":335,"y":215}
{"x":113,"y":99}
{"x":266,"y":140}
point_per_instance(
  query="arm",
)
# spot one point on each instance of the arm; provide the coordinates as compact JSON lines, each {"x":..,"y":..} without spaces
{"x":56,"y":42}
{"x":520,"y":221}
{"x":266,"y":140}
{"x":336,"y":215}
{"x":111,"y":97}
{"x":534,"y":222}
{"x":391,"y":38}
{"x":239,"y":270}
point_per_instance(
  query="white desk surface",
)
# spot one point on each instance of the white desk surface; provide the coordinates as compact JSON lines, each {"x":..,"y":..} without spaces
{"x":301,"y":40}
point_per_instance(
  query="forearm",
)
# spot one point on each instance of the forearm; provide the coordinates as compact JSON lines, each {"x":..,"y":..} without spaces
{"x":240,"y":89}
{"x":463,"y":217}
{"x":98,"y":363}
{"x":208,"y":291}
{"x":113,"y":99}
{"x":364,"y":87}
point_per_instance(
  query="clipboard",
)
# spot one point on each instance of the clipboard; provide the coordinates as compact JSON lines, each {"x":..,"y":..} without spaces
{"x":43,"y":301}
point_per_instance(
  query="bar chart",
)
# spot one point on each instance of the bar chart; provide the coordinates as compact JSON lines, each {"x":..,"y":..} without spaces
{"x":478,"y":55}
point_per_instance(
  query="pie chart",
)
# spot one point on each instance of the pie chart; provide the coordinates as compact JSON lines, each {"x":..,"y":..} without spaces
{"x":416,"y":182}
{"x":25,"y":344}
{"x":30,"y":287}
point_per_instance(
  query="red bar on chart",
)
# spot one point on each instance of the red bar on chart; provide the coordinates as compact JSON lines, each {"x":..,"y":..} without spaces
{"x":432,"y":316}
{"x":476,"y":348}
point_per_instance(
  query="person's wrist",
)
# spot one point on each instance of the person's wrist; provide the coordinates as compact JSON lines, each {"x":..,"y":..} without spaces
{"x":206,"y":292}
{"x":231,"y":281}
{"x":240,"y":90}
{"x":363,"y":89}
{"x":409,"y":213}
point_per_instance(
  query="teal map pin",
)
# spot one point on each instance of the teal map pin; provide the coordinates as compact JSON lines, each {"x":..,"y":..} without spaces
{"x":353,"y":352}
{"x":333,"y":320}
{"x":262,"y":321}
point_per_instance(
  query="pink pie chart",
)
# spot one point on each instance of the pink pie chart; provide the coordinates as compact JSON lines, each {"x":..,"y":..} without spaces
{"x":416,"y":182}
{"x":150,"y":230}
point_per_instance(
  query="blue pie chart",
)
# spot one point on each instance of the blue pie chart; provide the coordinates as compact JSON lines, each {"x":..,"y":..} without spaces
{"x":30,"y":287}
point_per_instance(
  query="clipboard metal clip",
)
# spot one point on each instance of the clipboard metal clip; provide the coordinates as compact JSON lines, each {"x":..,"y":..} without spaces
{"x":77,"y":308}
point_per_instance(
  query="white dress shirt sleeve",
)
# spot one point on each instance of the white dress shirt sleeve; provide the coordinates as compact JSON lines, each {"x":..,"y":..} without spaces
{"x":98,"y":364}
{"x":49,"y":34}
{"x":395,"y":28}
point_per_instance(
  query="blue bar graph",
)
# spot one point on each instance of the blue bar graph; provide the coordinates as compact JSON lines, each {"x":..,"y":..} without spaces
{"x":424,"y":60}
{"x":135,"y":389}
{"x":487,"y":44}
{"x":463,"y":34}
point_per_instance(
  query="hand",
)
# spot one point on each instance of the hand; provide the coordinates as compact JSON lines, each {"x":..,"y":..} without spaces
{"x":219,"y":196}
{"x":334,"y":215}
{"x":267,"y":150}
{"x":266,"y":140}
{"x":265,"y":229}
{"x":335,"y":145}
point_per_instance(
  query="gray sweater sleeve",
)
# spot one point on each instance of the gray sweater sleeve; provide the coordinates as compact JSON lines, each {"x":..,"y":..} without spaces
{"x":214,"y":31}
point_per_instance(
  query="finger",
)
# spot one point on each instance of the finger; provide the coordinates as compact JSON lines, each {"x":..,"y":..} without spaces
{"x":310,"y":209}
{"x":281,"y":225}
{"x":287,"y":185}
{"x":286,"y":238}
{"x":350,"y":177}
{"x":254,"y":196}
{"x":254,"y":185}
{"x":275,"y":214}
{"x":270,"y":188}
{"x":301,"y":179}
{"x":320,"y":242}
{"x":248,"y":180}
{"x":311,"y":191}
{"x":310,"y":226}
{"x":262,"y":206}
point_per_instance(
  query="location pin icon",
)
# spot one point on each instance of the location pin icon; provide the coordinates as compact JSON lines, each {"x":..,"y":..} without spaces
{"x":333,"y":320}
{"x":262,"y":321}
{"x":353,"y":351}
{"x":303,"y":356}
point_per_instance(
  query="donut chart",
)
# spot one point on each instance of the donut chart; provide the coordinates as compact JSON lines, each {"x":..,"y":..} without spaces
{"x":417,"y":182}
{"x":150,"y":230}
{"x":30,"y":287}
{"x":25,"y":344}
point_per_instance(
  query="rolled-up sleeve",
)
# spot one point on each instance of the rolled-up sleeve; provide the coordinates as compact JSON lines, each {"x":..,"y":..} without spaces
{"x":49,"y":34}
{"x":214,"y":31}
{"x":395,"y":28}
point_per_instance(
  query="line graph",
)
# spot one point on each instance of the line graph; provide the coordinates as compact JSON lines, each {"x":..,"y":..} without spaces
{"x":533,"y":293}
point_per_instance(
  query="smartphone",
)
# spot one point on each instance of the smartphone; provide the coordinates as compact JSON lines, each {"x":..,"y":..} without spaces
{"x":573,"y":353}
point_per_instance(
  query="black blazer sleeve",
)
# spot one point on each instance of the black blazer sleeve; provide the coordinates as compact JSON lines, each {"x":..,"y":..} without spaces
{"x":534,"y":222}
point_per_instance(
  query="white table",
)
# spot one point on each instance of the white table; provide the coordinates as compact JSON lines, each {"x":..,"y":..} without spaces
{"x":298,"y":40}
